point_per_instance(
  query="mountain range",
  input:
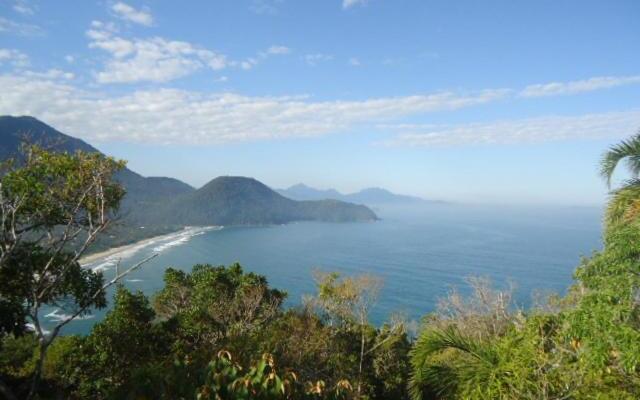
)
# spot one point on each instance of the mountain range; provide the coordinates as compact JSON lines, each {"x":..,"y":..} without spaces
{"x":368,"y":196}
{"x":155,"y":205}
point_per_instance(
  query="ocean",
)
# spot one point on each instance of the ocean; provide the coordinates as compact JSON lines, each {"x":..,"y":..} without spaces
{"x":420,"y":252}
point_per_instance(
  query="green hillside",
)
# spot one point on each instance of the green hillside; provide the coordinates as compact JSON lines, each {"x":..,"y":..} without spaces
{"x":229,"y":200}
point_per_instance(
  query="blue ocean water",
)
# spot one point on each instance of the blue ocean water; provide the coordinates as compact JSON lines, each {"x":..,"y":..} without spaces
{"x":419,"y":252}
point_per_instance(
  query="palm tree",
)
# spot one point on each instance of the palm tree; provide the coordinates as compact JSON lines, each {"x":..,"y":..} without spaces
{"x":624,"y":205}
{"x":454,"y":375}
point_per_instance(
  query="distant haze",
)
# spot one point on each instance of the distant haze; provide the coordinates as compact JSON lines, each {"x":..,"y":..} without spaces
{"x":368,"y":196}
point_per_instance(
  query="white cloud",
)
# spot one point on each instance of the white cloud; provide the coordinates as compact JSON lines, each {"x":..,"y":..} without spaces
{"x":160,"y":60}
{"x":69,"y":58}
{"x":107,"y":26}
{"x":23,"y":7}
{"x":278,"y":50}
{"x":53,"y":74}
{"x":165,"y":116}
{"x":266,"y":7}
{"x":350,"y":3}
{"x":263,"y":55}
{"x":574,"y":87}
{"x":13,"y":57}
{"x":607,"y":125}
{"x":155,"y":59}
{"x":354,"y":62}
{"x":18,"y":28}
{"x":246,"y":64}
{"x":128,"y":13}
{"x":314,"y":59}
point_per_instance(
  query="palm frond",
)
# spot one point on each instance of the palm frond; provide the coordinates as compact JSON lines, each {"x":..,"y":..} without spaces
{"x":628,"y":149}
{"x":624,"y":205}
{"x":451,"y":338}
{"x":436,"y":380}
{"x":444,"y":379}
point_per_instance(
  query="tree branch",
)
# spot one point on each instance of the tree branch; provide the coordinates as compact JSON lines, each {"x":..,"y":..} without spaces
{"x":115,"y":280}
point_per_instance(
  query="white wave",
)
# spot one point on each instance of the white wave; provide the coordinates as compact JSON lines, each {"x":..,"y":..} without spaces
{"x":104,"y":266}
{"x":58,"y":316}
{"x":31,"y":327}
{"x":173,"y":243}
{"x":183,"y":237}
{"x":161,"y":244}
{"x":134,"y":280}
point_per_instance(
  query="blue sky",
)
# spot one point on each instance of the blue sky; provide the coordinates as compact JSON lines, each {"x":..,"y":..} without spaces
{"x":492,"y":101}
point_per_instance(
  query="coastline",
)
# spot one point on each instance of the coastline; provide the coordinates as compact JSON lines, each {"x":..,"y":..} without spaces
{"x":135,"y":246}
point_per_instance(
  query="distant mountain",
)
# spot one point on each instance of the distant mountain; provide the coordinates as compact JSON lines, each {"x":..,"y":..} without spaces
{"x":162,"y":204}
{"x":16,"y":130}
{"x":231,"y":200}
{"x":304,"y":192}
{"x":369,"y":196}
{"x":381,"y":196}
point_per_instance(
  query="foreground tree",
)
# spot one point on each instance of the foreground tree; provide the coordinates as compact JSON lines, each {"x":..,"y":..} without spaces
{"x":120,"y":357}
{"x":346,"y":304}
{"x":263,"y":380}
{"x":53,"y":206}
{"x":213,"y":305}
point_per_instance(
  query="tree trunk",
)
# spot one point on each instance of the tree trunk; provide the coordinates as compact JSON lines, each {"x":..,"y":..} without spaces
{"x":361,"y":362}
{"x":37,"y":373}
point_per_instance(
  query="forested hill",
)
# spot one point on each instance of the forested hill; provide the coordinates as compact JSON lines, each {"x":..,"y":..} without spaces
{"x":231,"y":200}
{"x":162,"y":204}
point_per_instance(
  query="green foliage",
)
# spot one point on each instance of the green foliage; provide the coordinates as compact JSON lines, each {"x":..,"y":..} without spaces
{"x":52,"y":207}
{"x":213,"y":304}
{"x":226,"y":379}
{"x":119,"y":348}
{"x":628,"y":150}
{"x":17,"y":356}
{"x":588,"y":348}
{"x":390,"y":364}
{"x":54,"y":196}
{"x":51,"y":187}
{"x":317,"y":352}
{"x":624,"y":205}
{"x":133,"y":354}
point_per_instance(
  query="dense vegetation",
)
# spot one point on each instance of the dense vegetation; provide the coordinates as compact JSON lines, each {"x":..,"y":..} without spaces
{"x":221,"y":333}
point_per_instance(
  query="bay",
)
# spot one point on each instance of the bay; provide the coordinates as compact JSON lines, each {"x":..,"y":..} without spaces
{"x":420,"y":252}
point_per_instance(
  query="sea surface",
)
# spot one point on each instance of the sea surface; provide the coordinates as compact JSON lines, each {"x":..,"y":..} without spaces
{"x":420,"y":252}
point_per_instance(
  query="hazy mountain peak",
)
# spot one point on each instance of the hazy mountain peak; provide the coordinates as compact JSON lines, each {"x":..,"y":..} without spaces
{"x":299,"y":186}
{"x":368,"y":196}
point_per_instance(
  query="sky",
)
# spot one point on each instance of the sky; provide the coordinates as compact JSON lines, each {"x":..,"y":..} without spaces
{"x":470,"y":101}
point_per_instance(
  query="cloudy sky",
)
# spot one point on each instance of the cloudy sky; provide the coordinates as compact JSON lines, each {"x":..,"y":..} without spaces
{"x":479,"y":101}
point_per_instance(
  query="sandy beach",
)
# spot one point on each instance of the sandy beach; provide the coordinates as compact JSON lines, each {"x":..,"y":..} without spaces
{"x":141,"y":244}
